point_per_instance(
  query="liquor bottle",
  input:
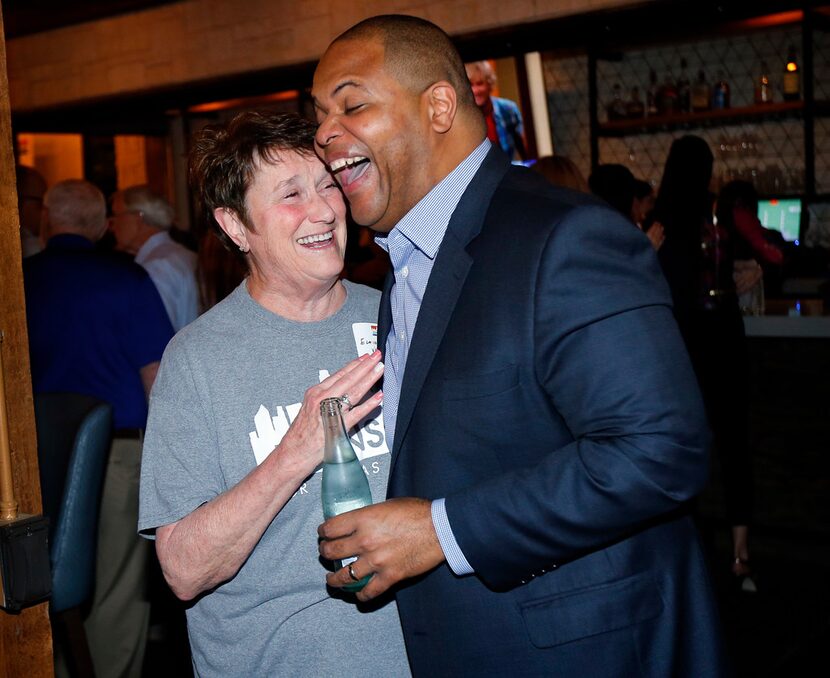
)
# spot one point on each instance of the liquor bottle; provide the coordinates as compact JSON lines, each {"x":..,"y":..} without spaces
{"x":720,"y":93}
{"x":616,"y":109}
{"x":792,"y":77}
{"x":667,"y":103}
{"x":652,"y":94}
{"x":763,"y":89}
{"x":684,"y":89}
{"x":701,"y":93}
{"x":344,"y":485}
{"x":634,"y":108}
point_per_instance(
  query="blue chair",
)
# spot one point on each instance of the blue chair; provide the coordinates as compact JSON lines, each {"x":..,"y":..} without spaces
{"x":74,"y":433}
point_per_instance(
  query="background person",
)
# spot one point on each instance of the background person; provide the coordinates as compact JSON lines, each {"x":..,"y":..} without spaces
{"x":97,"y":326}
{"x":230,"y":484}
{"x":141,"y":221}
{"x":31,"y":187}
{"x":561,"y":171}
{"x":641,"y":213}
{"x":737,"y":212}
{"x":698,"y":261}
{"x":503,"y":117}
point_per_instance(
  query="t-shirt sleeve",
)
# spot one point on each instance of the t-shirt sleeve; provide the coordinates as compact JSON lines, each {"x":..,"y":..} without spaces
{"x":180,"y":467}
{"x":148,"y":326}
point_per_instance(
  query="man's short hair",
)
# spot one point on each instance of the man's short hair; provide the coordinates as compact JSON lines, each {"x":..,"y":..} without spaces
{"x":416,"y":52}
{"x":484,"y":69}
{"x":154,"y":208}
{"x":225,"y":157}
{"x":76,"y":206}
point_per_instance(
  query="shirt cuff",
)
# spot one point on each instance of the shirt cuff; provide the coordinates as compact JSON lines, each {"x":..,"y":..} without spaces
{"x":452,"y":551}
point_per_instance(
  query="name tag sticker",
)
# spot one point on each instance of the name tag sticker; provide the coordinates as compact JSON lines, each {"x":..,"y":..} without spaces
{"x":365,"y":337}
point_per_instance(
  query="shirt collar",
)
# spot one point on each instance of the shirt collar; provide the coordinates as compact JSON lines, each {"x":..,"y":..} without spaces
{"x":426,"y":223}
{"x":69,"y":241}
{"x":151,"y":244}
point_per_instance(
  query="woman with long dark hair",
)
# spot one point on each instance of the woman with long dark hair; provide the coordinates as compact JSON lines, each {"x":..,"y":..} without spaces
{"x":698,"y":261}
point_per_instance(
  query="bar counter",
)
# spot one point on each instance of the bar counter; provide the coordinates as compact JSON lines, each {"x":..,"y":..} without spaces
{"x":797,"y":327}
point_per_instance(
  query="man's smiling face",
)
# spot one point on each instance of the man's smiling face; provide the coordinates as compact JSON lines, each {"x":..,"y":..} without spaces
{"x":372,"y":134}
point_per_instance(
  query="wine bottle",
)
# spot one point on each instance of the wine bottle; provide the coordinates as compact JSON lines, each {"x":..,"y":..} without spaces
{"x":763,"y":88}
{"x":684,"y":89}
{"x":720,"y":93}
{"x":652,"y":94}
{"x":344,"y":485}
{"x":616,"y":109}
{"x":792,"y":77}
{"x":634,"y":108}
{"x":701,"y":93}
{"x":667,"y":101}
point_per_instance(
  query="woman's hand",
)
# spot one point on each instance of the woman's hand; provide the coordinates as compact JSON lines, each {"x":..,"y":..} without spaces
{"x":303,"y":442}
{"x":209,"y":545}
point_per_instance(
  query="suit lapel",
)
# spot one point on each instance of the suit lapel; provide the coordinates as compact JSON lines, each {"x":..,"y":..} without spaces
{"x":446,"y":281}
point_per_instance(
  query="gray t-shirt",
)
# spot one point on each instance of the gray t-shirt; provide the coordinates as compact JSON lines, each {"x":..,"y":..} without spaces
{"x":229,"y":386}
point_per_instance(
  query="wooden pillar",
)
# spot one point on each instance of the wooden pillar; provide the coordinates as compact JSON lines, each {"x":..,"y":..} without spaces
{"x":25,"y":638}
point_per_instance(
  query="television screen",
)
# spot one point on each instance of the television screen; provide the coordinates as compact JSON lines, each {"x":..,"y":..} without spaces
{"x":783,"y":215}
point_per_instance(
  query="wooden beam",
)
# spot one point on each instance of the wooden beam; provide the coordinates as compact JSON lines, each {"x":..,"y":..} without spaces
{"x":25,"y":638}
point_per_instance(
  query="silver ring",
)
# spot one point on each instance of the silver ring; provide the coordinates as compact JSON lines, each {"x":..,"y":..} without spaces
{"x":352,"y":574}
{"x":345,"y":400}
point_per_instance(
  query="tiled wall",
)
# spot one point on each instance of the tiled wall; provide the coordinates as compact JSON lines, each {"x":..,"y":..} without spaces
{"x":769,"y":153}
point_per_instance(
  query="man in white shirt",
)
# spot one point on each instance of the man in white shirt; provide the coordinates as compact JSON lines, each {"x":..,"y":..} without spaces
{"x":140,"y":222}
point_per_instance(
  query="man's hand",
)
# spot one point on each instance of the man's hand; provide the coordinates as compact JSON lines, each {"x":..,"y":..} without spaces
{"x":656,"y":234}
{"x":394,"y":540}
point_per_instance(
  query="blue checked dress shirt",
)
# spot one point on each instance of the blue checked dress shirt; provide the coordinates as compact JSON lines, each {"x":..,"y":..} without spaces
{"x":412,"y":246}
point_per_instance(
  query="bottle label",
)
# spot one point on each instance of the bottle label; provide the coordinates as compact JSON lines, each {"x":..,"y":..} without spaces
{"x":791,"y":83}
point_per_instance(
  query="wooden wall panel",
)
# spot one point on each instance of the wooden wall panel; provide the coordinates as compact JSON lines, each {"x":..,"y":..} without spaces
{"x":25,"y":638}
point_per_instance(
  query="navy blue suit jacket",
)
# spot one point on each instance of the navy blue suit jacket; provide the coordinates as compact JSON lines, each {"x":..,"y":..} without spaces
{"x":548,"y":396}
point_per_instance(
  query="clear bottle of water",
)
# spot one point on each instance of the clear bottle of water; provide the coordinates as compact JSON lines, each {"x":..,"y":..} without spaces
{"x":345,"y":486}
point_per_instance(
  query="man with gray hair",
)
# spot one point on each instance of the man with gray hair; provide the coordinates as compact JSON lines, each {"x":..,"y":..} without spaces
{"x":503,"y":117}
{"x":97,"y":326}
{"x":141,"y":221}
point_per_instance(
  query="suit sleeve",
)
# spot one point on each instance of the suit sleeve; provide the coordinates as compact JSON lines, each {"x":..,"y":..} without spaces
{"x":611,"y":362}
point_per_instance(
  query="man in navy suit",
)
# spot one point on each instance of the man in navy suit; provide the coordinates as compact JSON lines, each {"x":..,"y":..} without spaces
{"x":546,"y":426}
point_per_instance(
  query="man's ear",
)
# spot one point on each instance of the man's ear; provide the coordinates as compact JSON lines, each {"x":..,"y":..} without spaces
{"x":443,"y":106}
{"x":233,"y":227}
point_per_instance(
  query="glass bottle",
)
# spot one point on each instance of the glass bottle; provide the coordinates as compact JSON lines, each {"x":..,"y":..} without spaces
{"x":344,"y":486}
{"x":652,"y":94}
{"x":763,"y":89}
{"x":684,"y":89}
{"x":720,"y":93}
{"x":634,"y":108}
{"x":616,"y":109}
{"x":667,"y":102}
{"x":792,"y":77}
{"x":701,"y":91}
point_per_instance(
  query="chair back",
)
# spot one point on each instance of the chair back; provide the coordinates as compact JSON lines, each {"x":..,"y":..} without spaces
{"x":74,"y":434}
